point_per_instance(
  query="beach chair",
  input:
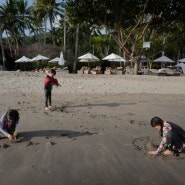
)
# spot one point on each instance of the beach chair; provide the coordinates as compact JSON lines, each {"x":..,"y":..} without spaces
{"x":107,"y":71}
{"x":96,"y":70}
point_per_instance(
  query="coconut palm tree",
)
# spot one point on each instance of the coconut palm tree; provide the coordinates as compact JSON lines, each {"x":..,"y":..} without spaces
{"x":47,"y":9}
{"x":23,"y":16}
{"x":1,"y":43}
{"x":16,"y":18}
{"x":8,"y":21}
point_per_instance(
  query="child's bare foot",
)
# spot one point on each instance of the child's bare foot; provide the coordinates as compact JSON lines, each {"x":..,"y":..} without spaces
{"x":46,"y":108}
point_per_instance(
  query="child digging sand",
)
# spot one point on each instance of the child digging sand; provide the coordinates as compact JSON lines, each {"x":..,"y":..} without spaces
{"x":9,"y":124}
{"x":49,"y":82}
{"x":173,"y":137}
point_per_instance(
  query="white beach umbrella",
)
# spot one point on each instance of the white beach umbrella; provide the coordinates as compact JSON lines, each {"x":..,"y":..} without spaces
{"x":39,"y":57}
{"x":180,"y":65}
{"x":55,"y":60}
{"x":61,"y":61}
{"x":163,"y":59}
{"x":23,"y":59}
{"x":83,"y":60}
{"x":115,"y":58}
{"x":118,"y":60}
{"x":182,"y":60}
{"x":88,"y":57}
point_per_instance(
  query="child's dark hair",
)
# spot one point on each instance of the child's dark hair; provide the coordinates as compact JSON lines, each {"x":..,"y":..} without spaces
{"x":53,"y":71}
{"x":13,"y":115}
{"x":156,"y":121}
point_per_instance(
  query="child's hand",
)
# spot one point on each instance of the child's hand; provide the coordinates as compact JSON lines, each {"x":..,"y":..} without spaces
{"x":10,"y":137}
{"x":153,"y":153}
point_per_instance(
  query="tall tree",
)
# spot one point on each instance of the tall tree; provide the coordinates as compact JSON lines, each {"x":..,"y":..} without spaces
{"x":16,"y":19}
{"x":23,"y":16}
{"x":128,"y":21}
{"x":9,"y":23}
{"x":48,"y":9}
{"x":1,"y":44}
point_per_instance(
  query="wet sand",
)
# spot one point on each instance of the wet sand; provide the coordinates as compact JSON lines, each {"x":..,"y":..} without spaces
{"x":98,"y":134}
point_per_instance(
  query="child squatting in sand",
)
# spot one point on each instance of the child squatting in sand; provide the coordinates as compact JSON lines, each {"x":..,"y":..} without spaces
{"x":49,"y":82}
{"x":173,"y":137}
{"x":9,"y":124}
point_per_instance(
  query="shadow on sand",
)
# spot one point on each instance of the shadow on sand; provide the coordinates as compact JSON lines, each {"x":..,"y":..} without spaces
{"x":105,"y":105}
{"x":27,"y":136}
{"x":63,"y":108}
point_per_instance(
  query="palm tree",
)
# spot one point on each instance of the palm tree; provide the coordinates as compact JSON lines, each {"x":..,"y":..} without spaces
{"x":1,"y":44}
{"x":16,"y":19}
{"x":23,"y":16}
{"x":8,"y":21}
{"x":48,"y":9}
{"x":11,"y":25}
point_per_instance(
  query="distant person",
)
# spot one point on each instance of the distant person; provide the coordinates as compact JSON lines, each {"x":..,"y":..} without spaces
{"x":9,"y":124}
{"x":173,"y":137}
{"x":49,"y":82}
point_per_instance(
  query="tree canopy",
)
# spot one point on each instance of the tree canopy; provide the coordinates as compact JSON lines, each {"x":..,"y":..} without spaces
{"x":127,"y":24}
{"x":130,"y":21}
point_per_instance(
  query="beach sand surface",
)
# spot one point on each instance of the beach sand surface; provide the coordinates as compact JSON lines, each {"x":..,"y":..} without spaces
{"x":98,"y":133}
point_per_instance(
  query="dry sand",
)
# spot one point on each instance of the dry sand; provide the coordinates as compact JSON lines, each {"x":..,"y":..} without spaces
{"x":98,"y":134}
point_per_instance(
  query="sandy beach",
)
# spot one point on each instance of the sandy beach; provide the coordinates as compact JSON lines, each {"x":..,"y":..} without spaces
{"x":98,"y":134}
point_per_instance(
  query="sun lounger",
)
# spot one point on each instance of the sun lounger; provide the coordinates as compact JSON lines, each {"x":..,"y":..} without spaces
{"x":80,"y":72}
{"x":156,"y":72}
{"x":96,"y":70}
{"x":86,"y":71}
{"x":129,"y":70}
{"x":119,"y":72}
{"x":107,"y":71}
{"x":164,"y":72}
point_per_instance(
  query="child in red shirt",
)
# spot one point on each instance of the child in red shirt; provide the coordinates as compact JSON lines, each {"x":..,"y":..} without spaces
{"x":49,"y":82}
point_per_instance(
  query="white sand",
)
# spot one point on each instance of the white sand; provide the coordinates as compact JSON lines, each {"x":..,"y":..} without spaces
{"x":100,"y":84}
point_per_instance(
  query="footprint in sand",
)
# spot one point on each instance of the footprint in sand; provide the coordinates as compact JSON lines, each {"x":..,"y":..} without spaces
{"x":30,"y":143}
{"x":4,"y":146}
{"x":139,"y":123}
{"x":59,"y":109}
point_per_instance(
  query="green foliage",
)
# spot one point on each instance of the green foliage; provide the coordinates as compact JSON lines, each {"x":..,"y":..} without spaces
{"x":127,"y":23}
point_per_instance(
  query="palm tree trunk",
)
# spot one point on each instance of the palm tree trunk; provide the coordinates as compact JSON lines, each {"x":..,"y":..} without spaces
{"x":2,"y":48}
{"x":45,"y":27}
{"x":9,"y":44}
{"x":15,"y":47}
{"x":65,"y":25}
{"x":76,"y":48}
{"x":52,"y":35}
